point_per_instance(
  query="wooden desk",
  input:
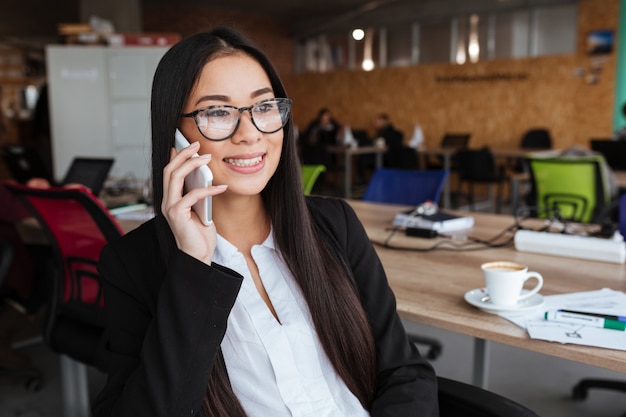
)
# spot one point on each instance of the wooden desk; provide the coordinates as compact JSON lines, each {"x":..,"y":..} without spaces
{"x":430,"y":286}
{"x":348,"y":153}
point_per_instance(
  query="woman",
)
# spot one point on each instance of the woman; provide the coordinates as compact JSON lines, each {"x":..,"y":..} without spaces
{"x":278,"y":308}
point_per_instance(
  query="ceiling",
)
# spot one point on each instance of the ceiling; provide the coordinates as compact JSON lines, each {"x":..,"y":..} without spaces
{"x":310,"y":17}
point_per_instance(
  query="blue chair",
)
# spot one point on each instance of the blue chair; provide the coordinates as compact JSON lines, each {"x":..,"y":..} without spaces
{"x":408,"y":187}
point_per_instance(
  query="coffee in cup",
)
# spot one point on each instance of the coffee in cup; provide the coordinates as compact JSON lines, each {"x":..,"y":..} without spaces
{"x":505,"y":281}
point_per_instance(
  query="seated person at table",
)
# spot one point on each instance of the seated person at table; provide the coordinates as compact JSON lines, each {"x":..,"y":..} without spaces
{"x":281,"y":306}
{"x":320,"y":133}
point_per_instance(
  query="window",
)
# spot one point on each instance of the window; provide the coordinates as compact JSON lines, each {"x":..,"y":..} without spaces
{"x":459,"y":39}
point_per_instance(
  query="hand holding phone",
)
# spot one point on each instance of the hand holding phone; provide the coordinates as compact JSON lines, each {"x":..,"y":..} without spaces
{"x":201,"y":177}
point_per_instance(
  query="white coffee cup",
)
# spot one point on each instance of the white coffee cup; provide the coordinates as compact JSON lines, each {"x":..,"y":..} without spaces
{"x":505,"y":280}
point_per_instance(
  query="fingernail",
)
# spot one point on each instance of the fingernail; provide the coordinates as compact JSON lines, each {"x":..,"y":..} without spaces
{"x":221,"y":186}
{"x":205,"y":156}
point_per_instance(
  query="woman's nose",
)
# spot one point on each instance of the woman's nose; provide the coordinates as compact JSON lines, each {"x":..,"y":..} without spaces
{"x":247,"y":131}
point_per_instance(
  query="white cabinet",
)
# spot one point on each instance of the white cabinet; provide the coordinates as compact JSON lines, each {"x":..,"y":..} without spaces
{"x":100,"y":105}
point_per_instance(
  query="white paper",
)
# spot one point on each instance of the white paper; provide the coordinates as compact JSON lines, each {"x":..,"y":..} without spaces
{"x":605,"y":301}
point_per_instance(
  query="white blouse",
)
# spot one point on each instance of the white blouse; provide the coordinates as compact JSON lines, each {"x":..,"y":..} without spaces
{"x":278,"y":368}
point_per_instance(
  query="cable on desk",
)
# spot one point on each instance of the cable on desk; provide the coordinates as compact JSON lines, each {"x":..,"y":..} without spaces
{"x":449,"y":244}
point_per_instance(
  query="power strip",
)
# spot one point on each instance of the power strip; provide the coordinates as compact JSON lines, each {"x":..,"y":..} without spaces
{"x":573,"y":246}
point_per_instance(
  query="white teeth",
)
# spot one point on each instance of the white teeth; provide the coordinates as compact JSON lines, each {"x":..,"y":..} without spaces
{"x":244,"y":162}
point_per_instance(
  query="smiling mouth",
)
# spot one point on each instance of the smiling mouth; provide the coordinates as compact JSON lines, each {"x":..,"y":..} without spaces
{"x":244,"y":162}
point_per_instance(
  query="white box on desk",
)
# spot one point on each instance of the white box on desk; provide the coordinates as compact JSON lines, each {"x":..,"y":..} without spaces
{"x":573,"y":246}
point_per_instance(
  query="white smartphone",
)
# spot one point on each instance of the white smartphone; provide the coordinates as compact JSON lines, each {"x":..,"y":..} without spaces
{"x":200,"y":177}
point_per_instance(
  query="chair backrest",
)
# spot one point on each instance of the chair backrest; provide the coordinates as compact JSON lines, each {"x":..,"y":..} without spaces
{"x":310,"y":173}
{"x":538,"y":138}
{"x":455,"y":140}
{"x":460,"y":399}
{"x":614,"y":152}
{"x":476,"y":164}
{"x":403,"y":157}
{"x":78,"y":226}
{"x":576,"y":185}
{"x":408,"y":187}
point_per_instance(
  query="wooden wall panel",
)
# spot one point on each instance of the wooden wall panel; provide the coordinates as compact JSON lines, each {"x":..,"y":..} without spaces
{"x":494,"y":100}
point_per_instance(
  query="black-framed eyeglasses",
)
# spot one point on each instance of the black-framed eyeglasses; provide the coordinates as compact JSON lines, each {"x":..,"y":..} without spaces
{"x":221,"y":122}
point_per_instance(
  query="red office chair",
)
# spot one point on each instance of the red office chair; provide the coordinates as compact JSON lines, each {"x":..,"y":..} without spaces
{"x":77,"y":226}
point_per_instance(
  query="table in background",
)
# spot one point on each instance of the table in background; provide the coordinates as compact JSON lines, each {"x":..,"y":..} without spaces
{"x":348,"y":152}
{"x":446,"y":155}
{"x":430,"y":288}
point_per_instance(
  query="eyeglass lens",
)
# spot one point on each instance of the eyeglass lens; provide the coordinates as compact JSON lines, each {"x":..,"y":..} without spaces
{"x":221,"y":122}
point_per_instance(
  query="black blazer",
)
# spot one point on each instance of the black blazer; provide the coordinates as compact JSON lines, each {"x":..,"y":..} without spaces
{"x":165,"y":326}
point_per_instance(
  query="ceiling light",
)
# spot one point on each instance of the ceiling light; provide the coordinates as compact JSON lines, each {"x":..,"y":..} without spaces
{"x":358,"y":34}
{"x":367,"y":65}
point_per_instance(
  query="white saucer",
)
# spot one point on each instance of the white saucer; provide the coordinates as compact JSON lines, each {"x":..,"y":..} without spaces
{"x":475,"y":298}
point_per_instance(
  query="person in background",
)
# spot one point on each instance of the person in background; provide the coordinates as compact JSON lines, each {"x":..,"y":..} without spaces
{"x":323,"y":129}
{"x":281,"y":306}
{"x":385,"y":129}
{"x":319,"y":134}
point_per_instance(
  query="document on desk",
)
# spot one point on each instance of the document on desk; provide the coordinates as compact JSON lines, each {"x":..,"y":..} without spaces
{"x":600,"y":302}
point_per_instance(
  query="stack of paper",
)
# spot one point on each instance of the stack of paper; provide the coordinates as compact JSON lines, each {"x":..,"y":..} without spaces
{"x":601,"y":302}
{"x":441,"y":221}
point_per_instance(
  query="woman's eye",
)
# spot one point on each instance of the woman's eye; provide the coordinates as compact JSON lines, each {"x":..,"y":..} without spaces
{"x":217,"y":113}
{"x":265,"y":108}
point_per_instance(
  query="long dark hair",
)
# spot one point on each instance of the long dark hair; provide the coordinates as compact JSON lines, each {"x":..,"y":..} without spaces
{"x":325,"y":280}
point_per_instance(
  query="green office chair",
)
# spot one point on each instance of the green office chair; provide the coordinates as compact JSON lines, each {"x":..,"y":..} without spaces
{"x":575,"y":185}
{"x":310,"y":174}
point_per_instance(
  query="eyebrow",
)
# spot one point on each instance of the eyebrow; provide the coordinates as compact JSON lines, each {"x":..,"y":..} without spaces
{"x":221,"y":97}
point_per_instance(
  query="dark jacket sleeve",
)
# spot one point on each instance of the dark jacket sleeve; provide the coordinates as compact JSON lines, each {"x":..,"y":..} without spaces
{"x":406,"y":382}
{"x":164,"y":327}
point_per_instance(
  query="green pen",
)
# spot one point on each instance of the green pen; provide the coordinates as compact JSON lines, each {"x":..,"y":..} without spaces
{"x":584,"y":320}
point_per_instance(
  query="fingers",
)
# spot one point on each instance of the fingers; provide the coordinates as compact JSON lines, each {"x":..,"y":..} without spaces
{"x":175,"y":204}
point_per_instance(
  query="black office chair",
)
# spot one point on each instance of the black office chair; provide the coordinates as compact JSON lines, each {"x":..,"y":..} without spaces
{"x":533,"y":139}
{"x":458,"y":399}
{"x":536,"y":138}
{"x":478,"y":166}
{"x":449,"y":141}
{"x":32,"y":375}
{"x":401,"y":157}
{"x":77,"y":225}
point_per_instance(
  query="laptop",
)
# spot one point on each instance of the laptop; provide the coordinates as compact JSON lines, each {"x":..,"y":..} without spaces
{"x":25,"y":163}
{"x":91,"y":172}
{"x":614,"y":152}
